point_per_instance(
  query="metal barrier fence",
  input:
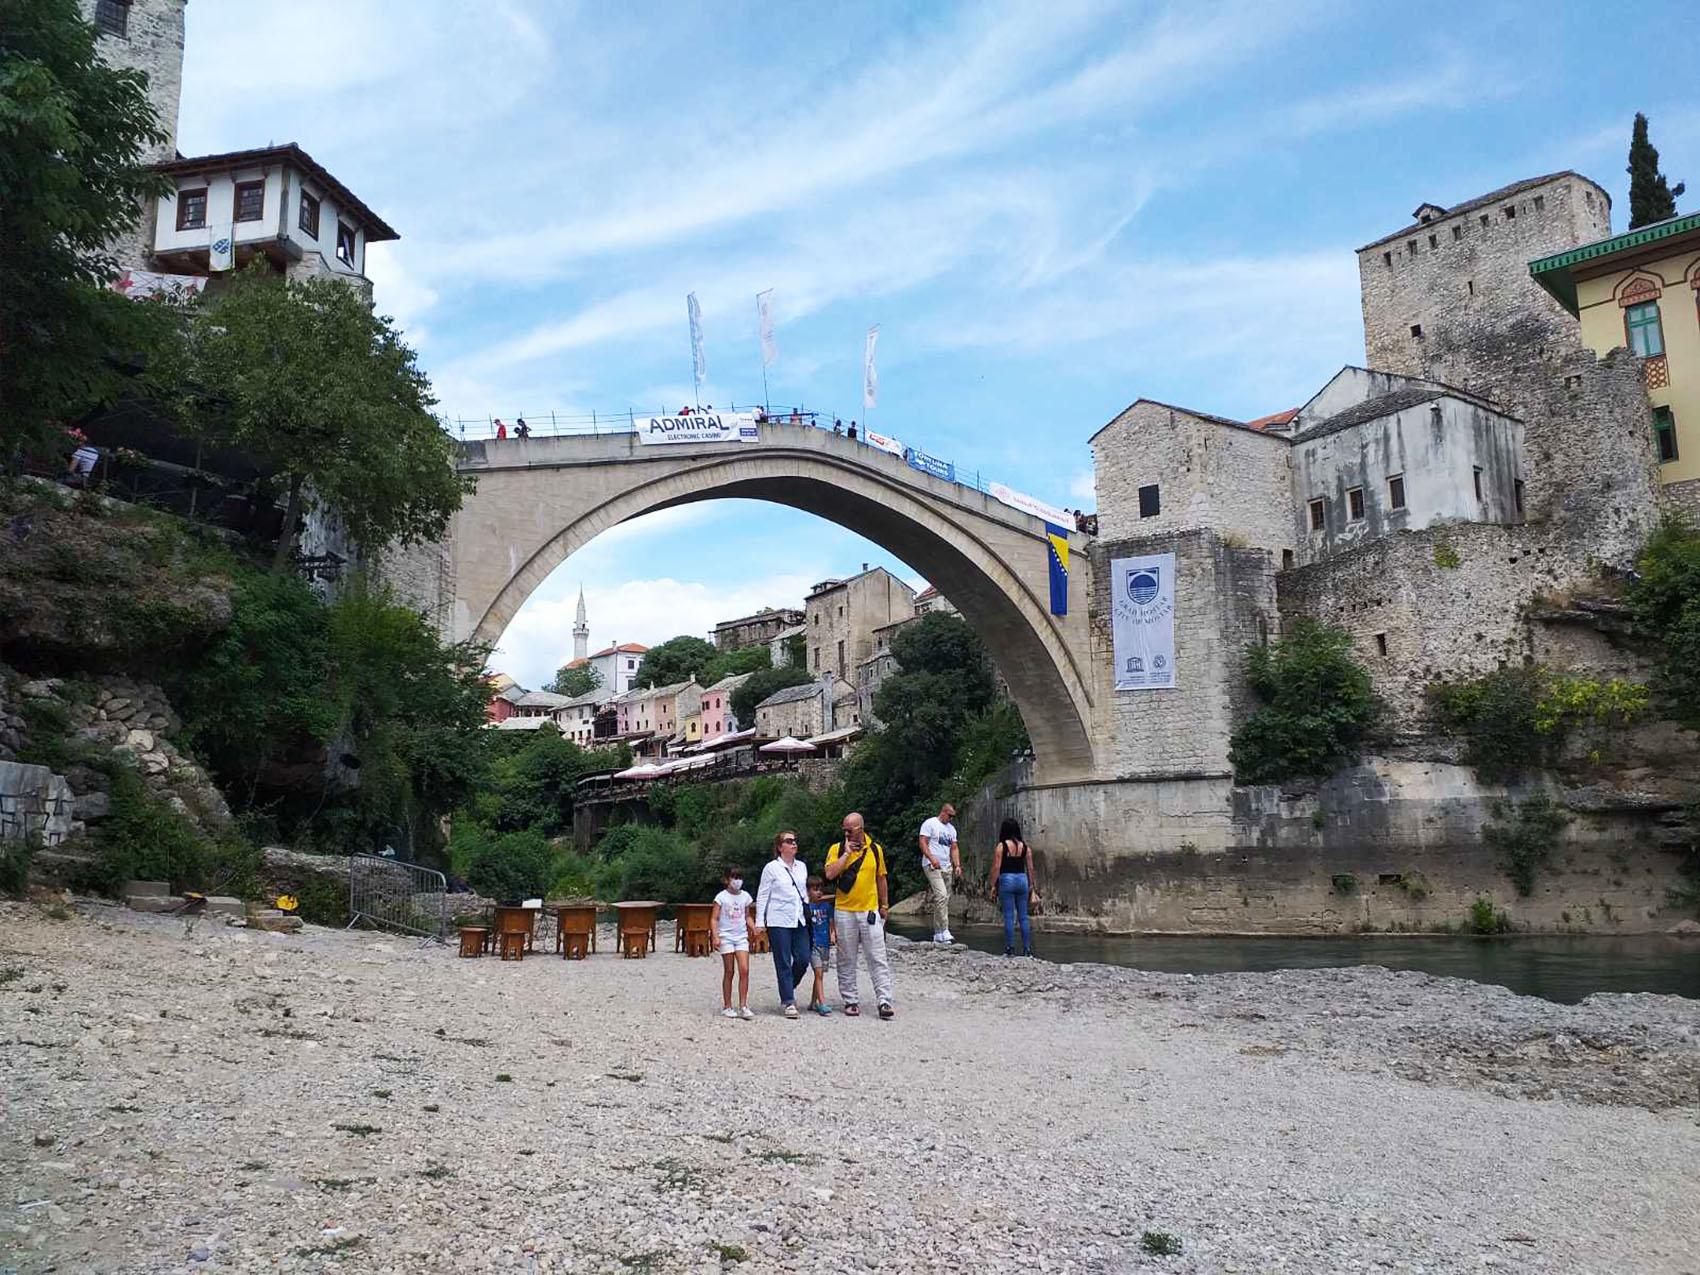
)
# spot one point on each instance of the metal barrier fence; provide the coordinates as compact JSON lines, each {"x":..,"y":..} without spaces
{"x":397,"y":896}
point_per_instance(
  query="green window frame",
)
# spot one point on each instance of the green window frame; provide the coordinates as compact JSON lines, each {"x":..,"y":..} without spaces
{"x":1641,"y":324}
{"x":1664,"y":434}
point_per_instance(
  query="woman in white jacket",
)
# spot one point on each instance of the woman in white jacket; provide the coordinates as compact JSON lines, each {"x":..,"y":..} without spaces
{"x":780,"y":900}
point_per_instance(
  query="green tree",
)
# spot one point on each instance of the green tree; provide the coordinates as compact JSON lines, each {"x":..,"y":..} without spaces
{"x":1317,"y":707}
{"x":1665,"y":601}
{"x":759,"y":687}
{"x":745,"y":659}
{"x":796,"y":650}
{"x":678,"y":659}
{"x":946,"y":645}
{"x":72,"y":136}
{"x":1651,"y":197}
{"x":575,"y":680}
{"x":305,"y":376}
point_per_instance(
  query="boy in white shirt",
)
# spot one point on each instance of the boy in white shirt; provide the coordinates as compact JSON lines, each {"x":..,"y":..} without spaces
{"x":940,"y":862}
{"x":730,"y":925}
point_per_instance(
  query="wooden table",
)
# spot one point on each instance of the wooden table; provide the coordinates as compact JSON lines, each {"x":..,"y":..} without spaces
{"x":575,"y":929}
{"x":691,"y":922}
{"x":637,"y":917}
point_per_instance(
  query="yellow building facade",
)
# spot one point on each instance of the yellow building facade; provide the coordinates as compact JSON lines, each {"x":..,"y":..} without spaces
{"x":1642,"y":290}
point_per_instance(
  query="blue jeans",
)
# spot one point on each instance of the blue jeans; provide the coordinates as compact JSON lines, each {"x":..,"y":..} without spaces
{"x":790,"y":959}
{"x":1012,"y":897}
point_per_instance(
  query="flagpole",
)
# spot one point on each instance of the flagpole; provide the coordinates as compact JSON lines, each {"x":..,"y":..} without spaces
{"x":766,"y":406}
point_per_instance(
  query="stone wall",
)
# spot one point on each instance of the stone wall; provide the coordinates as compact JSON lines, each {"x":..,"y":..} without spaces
{"x":1208,"y":472}
{"x":1462,"y":280}
{"x":421,"y":577}
{"x":843,"y":618}
{"x":1224,"y":603}
{"x":1388,"y":844}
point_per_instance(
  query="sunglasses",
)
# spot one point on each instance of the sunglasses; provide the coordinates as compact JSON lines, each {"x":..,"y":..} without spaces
{"x":787,"y":840}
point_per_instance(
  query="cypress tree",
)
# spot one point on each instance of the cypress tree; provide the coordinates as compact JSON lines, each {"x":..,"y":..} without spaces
{"x":1651,"y":198}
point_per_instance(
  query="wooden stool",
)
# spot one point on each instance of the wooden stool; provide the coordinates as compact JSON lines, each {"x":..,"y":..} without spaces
{"x":513,"y":945}
{"x":698,"y":943}
{"x":634,"y":944}
{"x":472,"y":940}
{"x":575,"y":946}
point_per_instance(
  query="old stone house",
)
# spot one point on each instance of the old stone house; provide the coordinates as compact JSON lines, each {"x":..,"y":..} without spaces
{"x":756,"y":630}
{"x":841,"y":616}
{"x":804,"y":710}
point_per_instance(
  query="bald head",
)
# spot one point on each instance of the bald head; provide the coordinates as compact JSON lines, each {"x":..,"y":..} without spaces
{"x":852,"y":827}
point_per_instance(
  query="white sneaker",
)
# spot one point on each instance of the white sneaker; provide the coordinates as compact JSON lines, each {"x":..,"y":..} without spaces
{"x":746,"y":1014}
{"x":728,"y":1012}
{"x":938,"y":936}
{"x":947,"y":937}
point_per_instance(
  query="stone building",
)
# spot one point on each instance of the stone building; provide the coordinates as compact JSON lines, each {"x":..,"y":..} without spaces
{"x":756,"y":630}
{"x":841,"y":616}
{"x":803,"y":711}
{"x":1641,"y":291}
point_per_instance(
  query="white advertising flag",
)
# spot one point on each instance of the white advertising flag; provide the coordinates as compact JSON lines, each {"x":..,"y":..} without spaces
{"x":764,"y":313}
{"x":1031,"y":505}
{"x":870,"y":378}
{"x":699,"y":355}
{"x":884,"y":442}
{"x":221,"y":254}
{"x":699,"y":427}
{"x":1142,"y":610}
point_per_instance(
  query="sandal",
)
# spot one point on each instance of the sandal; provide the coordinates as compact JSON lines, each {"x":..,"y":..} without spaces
{"x":886,"y":1011}
{"x":852,"y":1011}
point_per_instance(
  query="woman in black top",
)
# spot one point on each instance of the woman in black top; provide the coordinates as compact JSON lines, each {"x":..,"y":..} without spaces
{"x":1013,"y":885}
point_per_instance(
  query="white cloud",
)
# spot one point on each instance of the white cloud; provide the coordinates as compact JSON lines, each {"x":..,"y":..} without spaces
{"x":1082,"y":490}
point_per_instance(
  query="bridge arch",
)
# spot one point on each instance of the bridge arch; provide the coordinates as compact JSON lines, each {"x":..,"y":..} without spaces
{"x":541,"y":501}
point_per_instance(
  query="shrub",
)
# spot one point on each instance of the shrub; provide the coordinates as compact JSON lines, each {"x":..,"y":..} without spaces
{"x":144,"y":839}
{"x":660,"y":864}
{"x":575,"y":879}
{"x":1317,"y":707}
{"x":517,"y":865}
{"x":1526,"y":837}
{"x":1665,"y":601}
{"x":1487,"y":919}
{"x":16,"y":854}
{"x":1515,"y":719}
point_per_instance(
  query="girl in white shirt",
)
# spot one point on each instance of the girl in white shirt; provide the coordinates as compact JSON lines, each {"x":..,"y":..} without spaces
{"x":730,"y":925}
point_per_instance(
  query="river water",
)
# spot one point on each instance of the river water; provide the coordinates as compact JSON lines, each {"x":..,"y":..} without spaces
{"x":1555,"y":967}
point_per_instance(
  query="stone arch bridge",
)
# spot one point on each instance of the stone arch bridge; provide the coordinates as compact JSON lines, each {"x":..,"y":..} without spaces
{"x":541,"y":499}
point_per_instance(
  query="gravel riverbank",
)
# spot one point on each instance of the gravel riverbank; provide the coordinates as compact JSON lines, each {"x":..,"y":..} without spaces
{"x":201,"y":1098}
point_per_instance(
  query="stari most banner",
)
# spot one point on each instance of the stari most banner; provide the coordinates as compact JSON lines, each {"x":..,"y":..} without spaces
{"x":699,"y":427}
{"x":1142,"y":621}
{"x":884,"y":442}
{"x":1030,"y":505}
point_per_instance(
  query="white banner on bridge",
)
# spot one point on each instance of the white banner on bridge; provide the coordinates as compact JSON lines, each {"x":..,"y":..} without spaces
{"x":1142,"y":610}
{"x":699,"y":427}
{"x":1030,"y":505}
{"x":884,"y":442}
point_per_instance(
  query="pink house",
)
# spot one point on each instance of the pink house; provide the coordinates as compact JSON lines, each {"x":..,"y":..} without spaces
{"x":717,"y":718}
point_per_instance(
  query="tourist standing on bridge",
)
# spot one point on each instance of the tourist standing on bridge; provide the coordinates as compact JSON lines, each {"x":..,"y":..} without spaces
{"x":852,"y":431}
{"x":522,"y":429}
{"x":940,"y":864}
{"x":856,"y":867}
{"x":501,"y":429}
{"x":782,"y":910}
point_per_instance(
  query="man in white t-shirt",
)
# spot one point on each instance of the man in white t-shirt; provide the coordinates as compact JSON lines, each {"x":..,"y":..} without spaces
{"x":941,"y":862}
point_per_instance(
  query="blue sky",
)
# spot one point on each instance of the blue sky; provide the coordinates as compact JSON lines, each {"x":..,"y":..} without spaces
{"x":1050,"y":209}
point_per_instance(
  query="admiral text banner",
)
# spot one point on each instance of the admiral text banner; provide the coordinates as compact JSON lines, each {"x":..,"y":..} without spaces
{"x":702,"y":427}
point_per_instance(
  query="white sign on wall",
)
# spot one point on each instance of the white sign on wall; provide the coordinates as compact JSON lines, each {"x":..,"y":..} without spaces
{"x":699,"y":427}
{"x":882,"y":441}
{"x":1142,"y":610}
{"x":1031,"y":505}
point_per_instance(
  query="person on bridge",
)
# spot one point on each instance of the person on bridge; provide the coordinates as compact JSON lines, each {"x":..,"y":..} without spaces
{"x":941,"y":863}
{"x":837,"y":426}
{"x":522,"y":429}
{"x":852,"y":431}
{"x":856,"y":867}
{"x":782,"y":910}
{"x":501,"y":429}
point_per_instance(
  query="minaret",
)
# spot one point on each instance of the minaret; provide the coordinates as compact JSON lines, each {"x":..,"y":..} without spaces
{"x":581,"y":630}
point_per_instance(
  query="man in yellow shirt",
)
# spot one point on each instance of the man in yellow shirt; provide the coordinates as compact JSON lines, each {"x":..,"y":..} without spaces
{"x":856,"y":867}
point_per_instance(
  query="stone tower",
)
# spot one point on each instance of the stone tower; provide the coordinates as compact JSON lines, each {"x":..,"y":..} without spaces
{"x":147,"y":36}
{"x":581,"y":630}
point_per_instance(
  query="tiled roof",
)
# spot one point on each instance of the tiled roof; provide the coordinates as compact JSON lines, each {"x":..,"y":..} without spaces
{"x":731,"y":682}
{"x":1278,"y":418}
{"x":625,"y":648}
{"x":792,"y":694}
{"x":1369,"y":410}
{"x":542,"y":699}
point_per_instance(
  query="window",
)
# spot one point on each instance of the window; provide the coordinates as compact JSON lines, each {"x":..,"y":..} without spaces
{"x":1286,"y":559}
{"x":1150,"y":501}
{"x":191,"y":208}
{"x":112,"y":17}
{"x":1458,"y":232}
{"x":631,"y":664}
{"x":840,"y":613}
{"x":1517,"y":494}
{"x":1511,"y":212}
{"x":250,"y":201}
{"x":1540,"y":202}
{"x":1417,"y":331}
{"x":1646,"y":336}
{"x":1355,"y":504}
{"x":1434,"y":241}
{"x":841,"y":654}
{"x":345,"y":243}
{"x":1411,"y":247}
{"x":1484,"y":221}
{"x":1476,"y":475}
{"x":1664,"y":432}
{"x":1318,"y":515}
{"x":309,"y":219}
{"x":1388,"y":258}
{"x":817,"y":659}
{"x":1396,"y":492}
{"x":817,"y":619}
{"x":1470,"y":286}
{"x":1381,"y":644}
